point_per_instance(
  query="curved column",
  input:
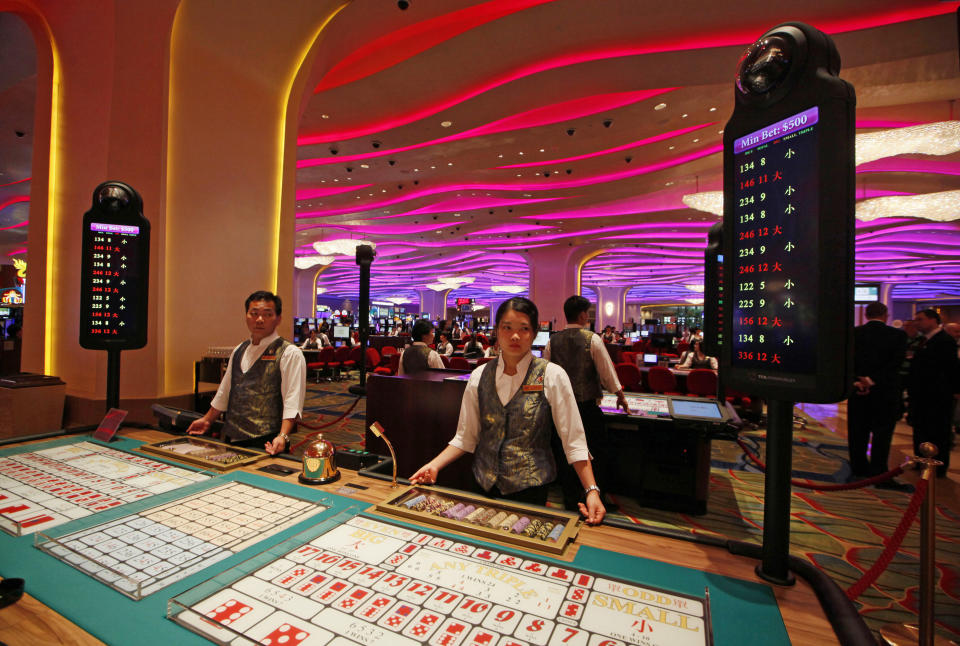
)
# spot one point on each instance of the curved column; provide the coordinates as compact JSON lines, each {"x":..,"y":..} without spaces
{"x":613,"y":299}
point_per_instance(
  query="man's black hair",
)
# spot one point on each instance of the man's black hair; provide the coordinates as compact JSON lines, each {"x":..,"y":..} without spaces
{"x":522,"y":305}
{"x":931,"y":314}
{"x":573,"y":306}
{"x":875,"y":310}
{"x":262,"y":295}
{"x":421,"y":328}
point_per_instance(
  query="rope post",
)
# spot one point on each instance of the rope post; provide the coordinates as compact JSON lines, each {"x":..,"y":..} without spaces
{"x":895,"y":634}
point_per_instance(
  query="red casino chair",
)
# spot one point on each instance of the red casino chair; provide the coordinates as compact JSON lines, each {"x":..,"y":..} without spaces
{"x":316,"y":367}
{"x":702,"y":383}
{"x":459,"y":363}
{"x":639,"y":346}
{"x":373,"y":359}
{"x":483,"y":360}
{"x":662,"y":381}
{"x":446,"y":360}
{"x":342,"y":356}
{"x":628,"y":357}
{"x":385,"y":354}
{"x":329,"y":357}
{"x":629,"y":376}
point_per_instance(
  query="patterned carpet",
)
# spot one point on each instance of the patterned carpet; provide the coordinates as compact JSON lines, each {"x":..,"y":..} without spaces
{"x":830,"y":529}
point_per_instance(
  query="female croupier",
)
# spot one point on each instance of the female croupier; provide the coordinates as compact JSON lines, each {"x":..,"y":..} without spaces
{"x":505,"y":420}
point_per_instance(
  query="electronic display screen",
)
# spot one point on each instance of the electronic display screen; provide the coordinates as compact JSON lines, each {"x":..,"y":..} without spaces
{"x":639,"y":405}
{"x":644,"y":333}
{"x":541,"y":339}
{"x":341,"y":332}
{"x":687,"y":408}
{"x":866,"y":293}
{"x":650,"y":359}
{"x":113,"y":285}
{"x":775,"y":234}
{"x":4,"y":311}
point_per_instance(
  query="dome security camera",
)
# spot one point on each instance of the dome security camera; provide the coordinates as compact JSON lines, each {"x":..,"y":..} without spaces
{"x":334,"y":151}
{"x":607,"y":123}
{"x":765,"y":65}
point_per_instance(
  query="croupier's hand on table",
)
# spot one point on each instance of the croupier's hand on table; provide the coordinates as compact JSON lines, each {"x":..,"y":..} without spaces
{"x":276,"y":445}
{"x":198,"y":427}
{"x":593,"y":510}
{"x":427,"y":474}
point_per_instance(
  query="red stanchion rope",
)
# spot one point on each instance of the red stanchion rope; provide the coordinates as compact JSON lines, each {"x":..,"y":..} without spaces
{"x":893,"y":545}
{"x":866,"y":482}
{"x":317,"y":428}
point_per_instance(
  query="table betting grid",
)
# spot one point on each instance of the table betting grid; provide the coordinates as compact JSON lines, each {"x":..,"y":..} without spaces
{"x":144,"y":552}
{"x":45,"y":488}
{"x":375,"y":583}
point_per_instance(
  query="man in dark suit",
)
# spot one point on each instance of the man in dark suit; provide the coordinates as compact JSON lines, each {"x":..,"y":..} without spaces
{"x":932,"y":382}
{"x":874,"y":407}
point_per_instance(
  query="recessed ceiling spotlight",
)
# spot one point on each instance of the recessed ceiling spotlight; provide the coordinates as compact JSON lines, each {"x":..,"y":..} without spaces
{"x":500,"y":156}
{"x":416,"y":170}
{"x":364,"y":166}
{"x":713,"y":109}
{"x":519,"y":175}
{"x":660,"y":106}
{"x":449,"y":163}
{"x":697,"y":140}
{"x":683,"y":116}
{"x":324,"y":116}
{"x":672,"y":147}
{"x":434,"y":167}
{"x":542,"y":150}
{"x":520,"y":153}
{"x":446,"y":124}
{"x":719,"y":132}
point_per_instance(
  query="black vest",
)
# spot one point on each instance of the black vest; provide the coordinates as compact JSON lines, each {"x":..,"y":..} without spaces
{"x":255,"y":407}
{"x":415,"y":359}
{"x":570,"y":349}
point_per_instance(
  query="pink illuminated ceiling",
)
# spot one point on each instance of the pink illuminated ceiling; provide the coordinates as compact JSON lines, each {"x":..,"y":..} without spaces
{"x":474,"y":132}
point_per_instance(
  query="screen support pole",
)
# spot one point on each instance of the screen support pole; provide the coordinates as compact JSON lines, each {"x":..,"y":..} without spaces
{"x":113,"y":378}
{"x":365,"y":256}
{"x":776,"y":504}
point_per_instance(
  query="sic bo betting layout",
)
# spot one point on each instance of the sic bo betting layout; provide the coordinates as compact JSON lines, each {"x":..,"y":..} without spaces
{"x":45,"y":488}
{"x":143,"y":552}
{"x":378,"y":584}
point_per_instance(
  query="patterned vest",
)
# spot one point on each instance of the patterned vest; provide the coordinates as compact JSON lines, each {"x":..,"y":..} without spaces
{"x":513,"y":451}
{"x":570,"y":349}
{"x":415,"y":359}
{"x":255,"y":407}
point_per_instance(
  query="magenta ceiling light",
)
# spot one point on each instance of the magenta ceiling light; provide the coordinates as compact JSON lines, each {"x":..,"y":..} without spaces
{"x":311,"y":193}
{"x":542,"y":116}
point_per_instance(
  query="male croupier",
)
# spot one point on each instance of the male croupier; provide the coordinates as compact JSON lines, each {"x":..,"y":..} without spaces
{"x":263,"y":389}
{"x":581,"y":353}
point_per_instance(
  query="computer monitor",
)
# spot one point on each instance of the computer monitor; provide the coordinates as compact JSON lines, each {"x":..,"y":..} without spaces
{"x":537,"y":353}
{"x":866,"y":293}
{"x":650,"y":359}
{"x":696,"y":409}
{"x":644,"y":333}
{"x":341,"y":332}
{"x":541,"y":339}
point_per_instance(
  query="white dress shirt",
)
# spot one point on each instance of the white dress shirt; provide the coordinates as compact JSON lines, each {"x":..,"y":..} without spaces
{"x":601,"y":361}
{"x":293,"y":376}
{"x":556,"y":387}
{"x":433,"y":359}
{"x":687,"y":363}
{"x":445,"y":349}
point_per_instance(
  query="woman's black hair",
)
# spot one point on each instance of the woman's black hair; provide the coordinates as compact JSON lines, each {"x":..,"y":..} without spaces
{"x":421,"y":328}
{"x":522,"y":305}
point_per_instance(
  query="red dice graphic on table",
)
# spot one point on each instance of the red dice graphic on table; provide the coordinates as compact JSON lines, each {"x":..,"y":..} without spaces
{"x":230,"y":611}
{"x":285,"y":634}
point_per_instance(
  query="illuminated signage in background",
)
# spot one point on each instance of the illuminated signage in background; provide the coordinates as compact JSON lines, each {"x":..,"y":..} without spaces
{"x":774,"y":291}
{"x":11,"y":296}
{"x":114,"y":271}
{"x":114,"y":278}
{"x":464,"y":301}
